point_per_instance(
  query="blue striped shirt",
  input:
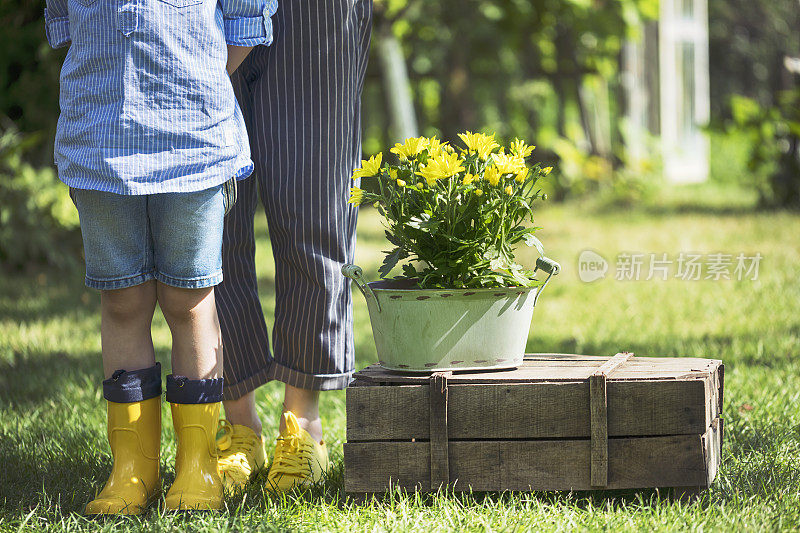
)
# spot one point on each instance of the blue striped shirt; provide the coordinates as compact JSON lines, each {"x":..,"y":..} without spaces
{"x":146,"y":103}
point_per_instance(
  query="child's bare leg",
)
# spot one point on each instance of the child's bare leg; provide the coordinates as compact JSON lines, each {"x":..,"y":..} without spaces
{"x":126,"y":317}
{"x":304,"y":403}
{"x":196,"y":340}
{"x":243,"y":411}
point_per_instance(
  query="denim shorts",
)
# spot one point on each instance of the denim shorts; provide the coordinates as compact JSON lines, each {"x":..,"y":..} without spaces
{"x":175,"y":238}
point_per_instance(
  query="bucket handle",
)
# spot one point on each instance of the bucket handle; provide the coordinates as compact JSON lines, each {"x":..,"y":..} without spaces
{"x":551,"y":267}
{"x":355,"y":273}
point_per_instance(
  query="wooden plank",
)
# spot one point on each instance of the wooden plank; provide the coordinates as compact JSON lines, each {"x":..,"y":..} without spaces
{"x":598,"y":416}
{"x":531,"y":411}
{"x":557,"y":369}
{"x":608,"y":368}
{"x":712,"y":449}
{"x":387,"y":413}
{"x":667,"y":461}
{"x":373,"y":467}
{"x":437,"y":394}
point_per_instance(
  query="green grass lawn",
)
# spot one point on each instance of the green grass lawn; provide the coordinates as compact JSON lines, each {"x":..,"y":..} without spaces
{"x":53,"y":453}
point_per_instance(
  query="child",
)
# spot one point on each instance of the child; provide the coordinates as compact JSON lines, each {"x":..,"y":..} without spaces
{"x":150,"y":141}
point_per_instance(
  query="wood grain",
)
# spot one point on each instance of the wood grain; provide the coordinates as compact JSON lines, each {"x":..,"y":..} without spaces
{"x":637,"y":462}
{"x":440,"y":463}
{"x":598,"y":428}
{"x":532,"y":411}
{"x":556,"y":367}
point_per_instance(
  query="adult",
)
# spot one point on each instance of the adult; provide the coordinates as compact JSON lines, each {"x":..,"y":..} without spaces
{"x":301,"y":102}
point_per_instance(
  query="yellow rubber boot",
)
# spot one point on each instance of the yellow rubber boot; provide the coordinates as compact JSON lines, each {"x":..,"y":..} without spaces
{"x":197,"y":482}
{"x":134,"y":434}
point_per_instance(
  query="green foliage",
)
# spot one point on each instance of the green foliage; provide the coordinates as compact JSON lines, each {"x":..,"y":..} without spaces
{"x":511,"y":66}
{"x":38,"y":223}
{"x":584,"y":174}
{"x":457,"y":212}
{"x":773,"y":134}
{"x":29,"y":71}
{"x":747,"y":43}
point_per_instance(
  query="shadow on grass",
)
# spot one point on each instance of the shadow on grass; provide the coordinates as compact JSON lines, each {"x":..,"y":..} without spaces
{"x":44,"y":295}
{"x":38,"y":378}
{"x":61,"y":462}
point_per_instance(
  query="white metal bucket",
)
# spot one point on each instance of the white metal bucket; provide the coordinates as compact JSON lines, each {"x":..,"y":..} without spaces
{"x":425,"y":330}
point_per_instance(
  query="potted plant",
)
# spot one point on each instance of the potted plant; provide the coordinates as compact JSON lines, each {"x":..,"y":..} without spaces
{"x":454,"y":216}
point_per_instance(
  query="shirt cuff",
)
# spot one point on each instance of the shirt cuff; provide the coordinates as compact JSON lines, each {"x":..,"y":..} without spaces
{"x":57,"y":30}
{"x":250,"y":31}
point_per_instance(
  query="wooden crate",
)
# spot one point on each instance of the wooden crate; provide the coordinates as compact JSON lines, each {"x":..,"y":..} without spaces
{"x":559,"y":422}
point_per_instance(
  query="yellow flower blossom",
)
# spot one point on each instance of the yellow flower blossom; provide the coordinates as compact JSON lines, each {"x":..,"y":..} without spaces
{"x":369,"y":167}
{"x":523,"y":173}
{"x":492,"y":176}
{"x":469,"y":178}
{"x":509,"y":164}
{"x":445,"y":166}
{"x":401,"y":183}
{"x":356,"y":196}
{"x":478,"y":192}
{"x":435,"y":147}
{"x":479,"y":143}
{"x":546,"y":171}
{"x":409,"y":149}
{"x":518,"y":147}
{"x":393,"y":173}
{"x":509,"y":190}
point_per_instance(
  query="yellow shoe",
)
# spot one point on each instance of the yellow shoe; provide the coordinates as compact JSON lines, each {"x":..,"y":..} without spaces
{"x":197,"y":483}
{"x":134,"y":434}
{"x":299,"y":459}
{"x":241,"y":454}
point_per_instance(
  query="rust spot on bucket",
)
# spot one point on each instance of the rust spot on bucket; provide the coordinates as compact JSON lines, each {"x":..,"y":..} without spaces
{"x":395,"y":297}
{"x":499,"y":294}
{"x":520,"y":292}
{"x":456,"y":362}
{"x":403,"y":366}
{"x":500,"y":360}
{"x":468,"y":293}
{"x":430,"y":364}
{"x":480,"y":361}
{"x":445,"y":295}
{"x":422,"y":297}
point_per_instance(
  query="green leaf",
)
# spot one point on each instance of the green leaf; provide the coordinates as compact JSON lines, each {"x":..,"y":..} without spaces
{"x":390,"y":261}
{"x":531,"y":240}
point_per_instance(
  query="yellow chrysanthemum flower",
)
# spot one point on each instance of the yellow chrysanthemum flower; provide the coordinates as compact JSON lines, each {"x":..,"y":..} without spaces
{"x":356,"y":196}
{"x":492,"y":175}
{"x":369,"y":167}
{"x":480,"y":143}
{"x":523,"y":173}
{"x":518,"y":147}
{"x":442,"y":167}
{"x":469,"y":178}
{"x":478,"y":192}
{"x":546,"y":171}
{"x":393,"y":173}
{"x":509,"y":190}
{"x":434,"y":146}
{"x":411,"y":147}
{"x":401,"y":183}
{"x":508,"y":163}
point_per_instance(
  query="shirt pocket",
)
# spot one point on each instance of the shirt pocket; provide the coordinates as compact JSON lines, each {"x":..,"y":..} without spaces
{"x":180,"y":3}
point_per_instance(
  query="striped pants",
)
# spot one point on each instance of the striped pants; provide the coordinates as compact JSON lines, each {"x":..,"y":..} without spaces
{"x":301,"y":102}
